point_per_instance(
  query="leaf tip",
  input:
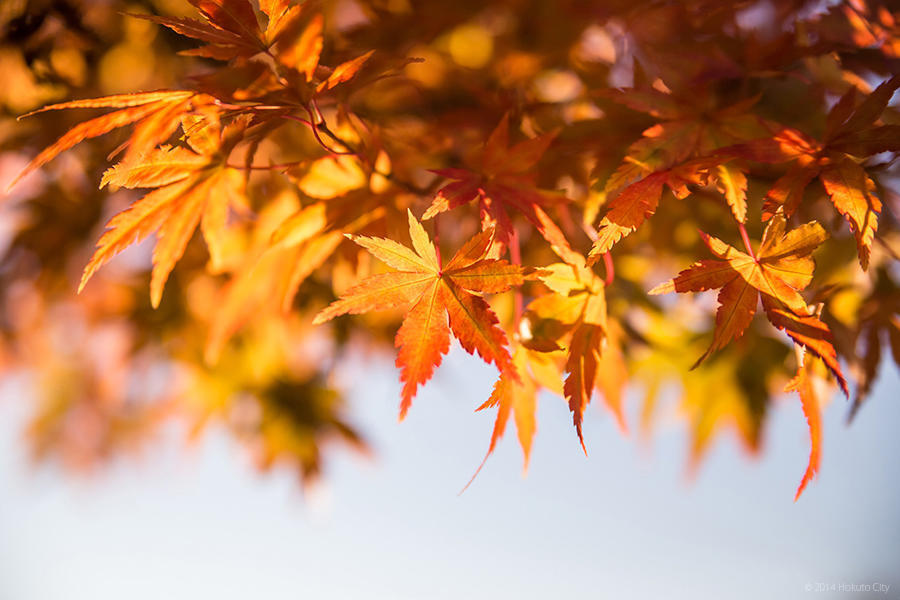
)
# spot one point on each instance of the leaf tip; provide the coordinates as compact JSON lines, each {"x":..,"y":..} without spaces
{"x":477,"y":471}
{"x":702,"y":358}
{"x":18,"y":178}
{"x":89,"y":271}
{"x":666,"y":287}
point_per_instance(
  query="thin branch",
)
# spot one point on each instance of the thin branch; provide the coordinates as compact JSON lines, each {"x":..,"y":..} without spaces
{"x":314,"y":127}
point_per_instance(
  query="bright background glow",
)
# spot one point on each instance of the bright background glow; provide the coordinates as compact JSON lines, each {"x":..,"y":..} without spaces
{"x":201,"y":523}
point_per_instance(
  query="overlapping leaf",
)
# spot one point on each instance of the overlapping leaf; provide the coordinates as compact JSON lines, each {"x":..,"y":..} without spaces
{"x":638,"y":201}
{"x":805,"y":383}
{"x":850,"y":137}
{"x":501,"y":183}
{"x":878,"y":316}
{"x":292,"y":35}
{"x":688,"y":130}
{"x":156,"y":113}
{"x":672,"y":153}
{"x":576,"y":312}
{"x":283,"y":256}
{"x":193,"y":187}
{"x":518,"y":397}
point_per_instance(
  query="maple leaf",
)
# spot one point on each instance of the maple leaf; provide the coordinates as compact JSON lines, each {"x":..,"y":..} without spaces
{"x":629,"y":209}
{"x":158,"y":111}
{"x":852,"y":192}
{"x":732,"y":182}
{"x":537,"y":370}
{"x":850,"y":136}
{"x":517,"y":397}
{"x":229,"y":27}
{"x":501,"y":183}
{"x":673,"y":152}
{"x":805,"y":384}
{"x":194,"y":186}
{"x":279,"y":63}
{"x":878,"y":317}
{"x":781,"y":268}
{"x":688,"y":130}
{"x":810,"y":332}
{"x":434,"y":292}
{"x":231,"y":30}
{"x":285,"y":254}
{"x":577,"y":308}
{"x":727,"y":394}
{"x":292,"y":37}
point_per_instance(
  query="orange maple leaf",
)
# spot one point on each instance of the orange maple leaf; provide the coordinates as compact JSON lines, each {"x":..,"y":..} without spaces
{"x":781,"y":268}
{"x":628,"y":210}
{"x":674,"y":152}
{"x":513,"y":396}
{"x":229,"y":27}
{"x":686,"y":131}
{"x":803,"y":383}
{"x":578,"y":307}
{"x":291,"y":37}
{"x":434,"y":292}
{"x":879,"y":318}
{"x":194,"y":186}
{"x":156,"y":113}
{"x":850,"y":137}
{"x":283,"y":256}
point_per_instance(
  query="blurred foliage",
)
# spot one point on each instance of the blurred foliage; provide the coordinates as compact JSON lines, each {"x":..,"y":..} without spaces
{"x":291,"y":124}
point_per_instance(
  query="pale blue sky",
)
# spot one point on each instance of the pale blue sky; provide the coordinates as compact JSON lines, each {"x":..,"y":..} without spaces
{"x":620,"y":524}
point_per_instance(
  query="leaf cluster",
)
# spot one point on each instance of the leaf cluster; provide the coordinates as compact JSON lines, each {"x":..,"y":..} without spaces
{"x":566,"y":156}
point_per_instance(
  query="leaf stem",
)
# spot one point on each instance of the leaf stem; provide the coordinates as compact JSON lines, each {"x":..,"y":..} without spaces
{"x":610,"y":269}
{"x":746,"y":239}
{"x":565,"y":219}
{"x":515,"y":256}
{"x":314,"y":127}
{"x":251,"y":107}
{"x":272,"y":167}
{"x":437,"y":243}
{"x":322,"y":127}
{"x":298,"y":119}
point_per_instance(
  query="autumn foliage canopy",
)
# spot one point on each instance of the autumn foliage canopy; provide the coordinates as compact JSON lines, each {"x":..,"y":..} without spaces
{"x":552,"y":184}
